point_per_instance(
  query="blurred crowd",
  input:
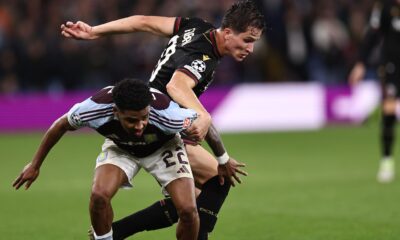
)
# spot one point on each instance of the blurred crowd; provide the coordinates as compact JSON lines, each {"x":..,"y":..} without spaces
{"x":305,"y":40}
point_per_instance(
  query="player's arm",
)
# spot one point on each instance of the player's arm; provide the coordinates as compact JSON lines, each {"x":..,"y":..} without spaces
{"x":227,"y":166}
{"x":51,"y":137}
{"x":371,"y":38}
{"x":180,"y":89}
{"x":162,"y":26}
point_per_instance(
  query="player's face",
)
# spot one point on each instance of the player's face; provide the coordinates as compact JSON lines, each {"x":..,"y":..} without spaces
{"x":240,"y":45}
{"x":133,"y":122}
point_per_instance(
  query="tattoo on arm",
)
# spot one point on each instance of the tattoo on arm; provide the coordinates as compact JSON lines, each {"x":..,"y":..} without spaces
{"x":214,"y":141}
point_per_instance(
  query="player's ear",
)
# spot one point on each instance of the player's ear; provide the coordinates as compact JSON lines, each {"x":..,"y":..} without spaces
{"x":228,"y":33}
{"x":115,"y":110}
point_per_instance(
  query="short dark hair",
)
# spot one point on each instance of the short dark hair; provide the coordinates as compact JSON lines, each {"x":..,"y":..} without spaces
{"x":242,"y":15}
{"x":132,"y":94}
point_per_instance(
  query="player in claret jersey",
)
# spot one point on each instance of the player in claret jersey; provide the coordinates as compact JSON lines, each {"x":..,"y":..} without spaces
{"x":141,"y":129}
{"x":184,"y":71}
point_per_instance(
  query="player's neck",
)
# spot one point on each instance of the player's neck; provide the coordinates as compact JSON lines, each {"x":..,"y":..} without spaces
{"x":219,"y":38}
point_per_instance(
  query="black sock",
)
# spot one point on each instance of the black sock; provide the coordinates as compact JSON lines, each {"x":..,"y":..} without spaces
{"x":161,"y":214}
{"x":209,"y":202}
{"x":387,"y":134}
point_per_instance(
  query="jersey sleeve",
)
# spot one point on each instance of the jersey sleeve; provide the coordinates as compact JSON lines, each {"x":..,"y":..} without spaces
{"x":173,"y":119}
{"x":181,"y":24}
{"x":89,"y":114}
{"x":197,"y":66}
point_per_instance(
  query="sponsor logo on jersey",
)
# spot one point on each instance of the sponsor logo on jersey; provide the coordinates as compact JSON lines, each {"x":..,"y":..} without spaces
{"x":187,"y":36}
{"x":149,"y":138}
{"x":199,"y":65}
{"x":194,"y":71}
{"x":206,"y":57}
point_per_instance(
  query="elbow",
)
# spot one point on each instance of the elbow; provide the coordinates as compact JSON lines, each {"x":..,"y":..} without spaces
{"x":172,"y":89}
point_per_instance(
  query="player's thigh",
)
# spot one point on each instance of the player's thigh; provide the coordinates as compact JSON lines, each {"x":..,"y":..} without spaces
{"x":115,"y":168}
{"x":168,"y":163}
{"x":390,"y":91}
{"x":182,"y":193}
{"x":108,"y":179}
{"x":203,"y":164}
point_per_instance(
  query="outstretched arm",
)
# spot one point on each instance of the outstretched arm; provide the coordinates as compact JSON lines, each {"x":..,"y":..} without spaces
{"x":162,"y":26}
{"x":228,"y":167}
{"x":51,"y":137}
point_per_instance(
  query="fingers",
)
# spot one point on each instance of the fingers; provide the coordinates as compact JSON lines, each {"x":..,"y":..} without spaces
{"x":221,"y":180}
{"x":28,"y":184}
{"x":237,"y":178}
{"x":241,"y":172}
{"x":232,"y":182}
{"x":19,"y":182}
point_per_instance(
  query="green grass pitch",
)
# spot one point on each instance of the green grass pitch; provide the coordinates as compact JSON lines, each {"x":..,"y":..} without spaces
{"x":301,"y":185}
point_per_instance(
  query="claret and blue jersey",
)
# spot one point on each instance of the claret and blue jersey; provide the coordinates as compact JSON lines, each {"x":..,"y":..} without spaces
{"x":166,"y":119}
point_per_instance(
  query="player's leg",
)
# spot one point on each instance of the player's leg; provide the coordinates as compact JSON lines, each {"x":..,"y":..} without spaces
{"x":170,"y":166}
{"x":107,"y":180}
{"x":204,"y":167}
{"x":390,"y":91}
{"x":389,"y":103}
{"x":182,"y":194}
{"x":114,"y":168}
{"x":213,"y":194}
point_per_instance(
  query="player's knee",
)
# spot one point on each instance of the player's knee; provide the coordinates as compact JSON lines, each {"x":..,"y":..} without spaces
{"x":389,"y":106}
{"x":188,"y":214}
{"x":99,"y":199}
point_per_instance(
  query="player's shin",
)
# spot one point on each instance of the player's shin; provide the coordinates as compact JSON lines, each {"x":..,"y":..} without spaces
{"x":161,"y":214}
{"x":209,"y":202}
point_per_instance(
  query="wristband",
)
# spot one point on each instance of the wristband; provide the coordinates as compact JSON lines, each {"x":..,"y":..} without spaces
{"x":223,"y":159}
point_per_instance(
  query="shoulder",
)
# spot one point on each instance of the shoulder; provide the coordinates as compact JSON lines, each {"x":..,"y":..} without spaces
{"x":182,"y":24}
{"x":161,"y":101}
{"x":94,"y":111}
{"x":104,"y":96}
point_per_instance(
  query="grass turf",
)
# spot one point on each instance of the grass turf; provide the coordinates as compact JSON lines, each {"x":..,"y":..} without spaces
{"x":301,"y":185}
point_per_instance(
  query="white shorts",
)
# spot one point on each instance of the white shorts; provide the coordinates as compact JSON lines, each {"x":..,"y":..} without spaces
{"x":168,"y":163}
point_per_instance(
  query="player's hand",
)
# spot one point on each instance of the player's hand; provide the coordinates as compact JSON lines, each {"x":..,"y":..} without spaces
{"x":28,"y":176}
{"x":356,"y":74}
{"x":230,"y":171}
{"x":78,"y":30}
{"x":199,"y":128}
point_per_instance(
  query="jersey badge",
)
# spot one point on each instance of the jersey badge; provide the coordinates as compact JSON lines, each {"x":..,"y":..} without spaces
{"x":199,"y":65}
{"x":187,"y":123}
{"x":76,"y":118}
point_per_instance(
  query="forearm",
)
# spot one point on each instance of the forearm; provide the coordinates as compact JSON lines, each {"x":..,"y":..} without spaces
{"x":215,"y":142}
{"x":161,"y":26}
{"x":51,"y":137}
{"x":185,"y":97}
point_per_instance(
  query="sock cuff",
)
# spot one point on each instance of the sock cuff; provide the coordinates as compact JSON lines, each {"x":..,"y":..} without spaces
{"x":105,"y":236}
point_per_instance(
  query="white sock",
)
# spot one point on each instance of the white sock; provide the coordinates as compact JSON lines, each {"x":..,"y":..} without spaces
{"x":107,"y":236}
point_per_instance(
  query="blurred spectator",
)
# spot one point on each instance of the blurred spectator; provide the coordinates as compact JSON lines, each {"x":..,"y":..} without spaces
{"x":305,"y":40}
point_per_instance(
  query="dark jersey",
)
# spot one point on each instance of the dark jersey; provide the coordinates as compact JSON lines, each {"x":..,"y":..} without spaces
{"x":165,"y":120}
{"x":192,"y":50}
{"x":384,"y":24}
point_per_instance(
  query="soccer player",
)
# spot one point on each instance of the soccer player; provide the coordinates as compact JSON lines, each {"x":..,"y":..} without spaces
{"x":384,"y":25}
{"x":140,"y":127}
{"x":184,"y":71}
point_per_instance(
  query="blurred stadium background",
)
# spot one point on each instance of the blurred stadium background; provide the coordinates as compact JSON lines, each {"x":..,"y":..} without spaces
{"x":309,"y":140}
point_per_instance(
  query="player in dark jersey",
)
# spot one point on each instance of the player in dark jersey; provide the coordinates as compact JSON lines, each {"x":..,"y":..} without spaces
{"x":184,"y":71}
{"x":384,"y":25}
{"x":141,"y":129}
